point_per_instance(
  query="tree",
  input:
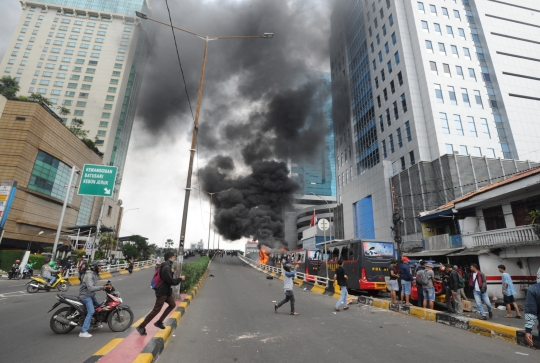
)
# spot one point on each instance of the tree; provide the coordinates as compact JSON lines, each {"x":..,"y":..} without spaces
{"x":107,"y":243}
{"x":130,"y":250}
{"x":76,"y":128}
{"x":42,"y":100}
{"x":63,"y":111}
{"x":9,"y":87}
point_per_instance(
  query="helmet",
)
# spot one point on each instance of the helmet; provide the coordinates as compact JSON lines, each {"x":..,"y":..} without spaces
{"x":94,"y":266}
{"x":287,"y":267}
{"x":52,"y":264}
{"x":17,"y":261}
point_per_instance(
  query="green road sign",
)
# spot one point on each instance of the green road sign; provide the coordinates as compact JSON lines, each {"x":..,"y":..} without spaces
{"x":97,"y":180}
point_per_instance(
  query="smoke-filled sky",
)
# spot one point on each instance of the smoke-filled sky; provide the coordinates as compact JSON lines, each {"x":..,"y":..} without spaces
{"x":257,"y":94}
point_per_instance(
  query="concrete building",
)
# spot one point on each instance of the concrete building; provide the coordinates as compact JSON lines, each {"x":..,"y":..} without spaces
{"x":37,"y":151}
{"x":413,"y":81}
{"x":86,"y":55}
{"x":251,"y":247}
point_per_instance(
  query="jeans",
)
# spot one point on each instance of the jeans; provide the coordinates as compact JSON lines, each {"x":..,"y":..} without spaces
{"x":289,"y":296}
{"x":90,"y":302}
{"x":457,"y":302}
{"x":343,"y":297}
{"x":448,"y":298}
{"x":478,"y":297}
{"x":429,"y":293}
{"x":52,"y":279}
{"x":81,"y":276}
{"x":406,"y":287}
{"x":160,"y":301}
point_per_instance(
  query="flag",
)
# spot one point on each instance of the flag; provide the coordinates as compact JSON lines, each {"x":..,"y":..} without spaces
{"x":313,"y":219}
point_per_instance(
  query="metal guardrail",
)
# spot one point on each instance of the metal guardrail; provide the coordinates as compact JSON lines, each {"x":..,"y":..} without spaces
{"x":115,"y":268}
{"x":313,"y":279}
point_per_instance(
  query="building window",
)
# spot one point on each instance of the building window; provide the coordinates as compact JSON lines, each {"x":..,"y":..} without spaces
{"x":442,"y":49}
{"x":452,"y":95}
{"x":70,"y":93}
{"x":459,"y":72}
{"x":478,"y":99}
{"x":425,"y":26}
{"x":103,"y":124}
{"x":105,"y":114}
{"x":403,"y":103}
{"x":449,"y":148}
{"x":399,"y":139}
{"x":391,"y":20}
{"x":433,"y":10}
{"x":472,"y":126}
{"x":391,"y":143}
{"x":83,"y":95}
{"x":388,"y":119}
{"x":467,"y":53}
{"x":445,"y":13}
{"x":429,"y":46}
{"x":521,"y":209}
{"x":438,"y":93}
{"x":392,"y":87}
{"x":408,"y":131}
{"x":50,"y":176}
{"x":494,"y":218}
{"x":400,"y":78}
{"x":465,"y":96}
{"x":411,"y":157}
{"x":485,"y":128}
{"x":444,"y":122}
{"x":463,"y":150}
{"x":477,"y":151}
{"x":81,"y":103}
{"x":78,"y":112}
{"x":381,"y":123}
{"x":394,"y":39}
{"x":461,"y":33}
{"x":112,"y":89}
{"x":449,"y":31}
{"x":437,"y":28}
{"x":396,"y":57}
{"x":458,"y":125}
{"x":102,"y":133}
{"x":396,"y":112}
{"x":491,"y":153}
{"x":421,"y":7}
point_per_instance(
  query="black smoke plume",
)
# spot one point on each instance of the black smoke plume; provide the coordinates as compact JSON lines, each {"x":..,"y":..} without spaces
{"x":253,"y":205}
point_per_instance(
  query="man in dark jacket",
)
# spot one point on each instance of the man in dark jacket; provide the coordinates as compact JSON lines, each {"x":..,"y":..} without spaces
{"x":406,"y":280}
{"x":163,"y":294}
{"x":532,"y":308}
{"x":452,"y":291}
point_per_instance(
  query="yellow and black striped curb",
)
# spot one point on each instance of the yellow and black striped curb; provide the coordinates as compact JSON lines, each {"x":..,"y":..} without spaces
{"x":159,"y":341}
{"x":333,"y":290}
{"x":498,"y":331}
{"x":74,"y":280}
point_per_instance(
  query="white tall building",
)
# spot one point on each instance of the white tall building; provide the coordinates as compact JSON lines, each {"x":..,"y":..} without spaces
{"x":415,"y":80}
{"x":86,"y":55}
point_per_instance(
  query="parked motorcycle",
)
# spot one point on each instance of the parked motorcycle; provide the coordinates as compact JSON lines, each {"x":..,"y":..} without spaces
{"x":38,"y":283}
{"x":119,"y":317}
{"x":28,"y":271}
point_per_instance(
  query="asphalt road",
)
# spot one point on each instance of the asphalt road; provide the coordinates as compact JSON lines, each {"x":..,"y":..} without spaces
{"x":232,"y":319}
{"x":25,"y":335}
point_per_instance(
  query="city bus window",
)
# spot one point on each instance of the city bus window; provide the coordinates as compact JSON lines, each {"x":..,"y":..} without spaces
{"x":293,"y":257}
{"x":344,"y":253}
{"x":335,"y":254}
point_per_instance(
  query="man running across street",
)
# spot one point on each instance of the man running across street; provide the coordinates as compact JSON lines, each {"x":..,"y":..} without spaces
{"x":163,"y":294}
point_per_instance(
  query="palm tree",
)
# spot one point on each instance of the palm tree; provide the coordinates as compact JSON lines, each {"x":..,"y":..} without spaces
{"x":9,"y":87}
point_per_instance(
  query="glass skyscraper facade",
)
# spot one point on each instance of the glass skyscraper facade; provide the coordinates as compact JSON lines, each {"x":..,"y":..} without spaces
{"x":318,"y":175}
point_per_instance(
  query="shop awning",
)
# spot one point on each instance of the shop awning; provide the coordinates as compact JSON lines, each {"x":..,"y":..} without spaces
{"x":447,"y":212}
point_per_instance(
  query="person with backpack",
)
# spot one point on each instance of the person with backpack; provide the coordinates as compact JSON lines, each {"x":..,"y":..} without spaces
{"x":82,"y":266}
{"x":161,"y":282}
{"x":461,"y":290}
{"x":426,"y":278}
{"x":479,"y":286}
{"x":419,"y":289}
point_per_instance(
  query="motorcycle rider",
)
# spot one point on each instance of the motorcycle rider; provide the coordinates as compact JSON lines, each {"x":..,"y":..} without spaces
{"x":50,"y":273}
{"x":87,"y":295}
{"x":14,"y":268}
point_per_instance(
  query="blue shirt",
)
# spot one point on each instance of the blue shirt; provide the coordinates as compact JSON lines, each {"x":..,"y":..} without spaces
{"x":405,"y":272}
{"x":510,"y":290}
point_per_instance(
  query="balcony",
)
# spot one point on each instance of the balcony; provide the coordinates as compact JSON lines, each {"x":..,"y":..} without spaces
{"x":442,"y":241}
{"x":501,"y":237}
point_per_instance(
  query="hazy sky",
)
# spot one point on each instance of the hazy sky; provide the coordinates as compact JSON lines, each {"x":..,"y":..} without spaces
{"x":247,"y":83}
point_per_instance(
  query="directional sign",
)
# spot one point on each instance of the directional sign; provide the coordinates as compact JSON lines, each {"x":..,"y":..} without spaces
{"x":97,"y":180}
{"x":323,"y":224}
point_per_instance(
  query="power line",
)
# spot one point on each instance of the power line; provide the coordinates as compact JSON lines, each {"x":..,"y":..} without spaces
{"x":179,"y":62}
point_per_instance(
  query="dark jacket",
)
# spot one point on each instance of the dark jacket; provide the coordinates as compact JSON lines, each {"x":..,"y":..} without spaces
{"x":405,"y":272}
{"x":453,"y":281}
{"x":165,"y":289}
{"x":532,"y":306}
{"x":481,"y":278}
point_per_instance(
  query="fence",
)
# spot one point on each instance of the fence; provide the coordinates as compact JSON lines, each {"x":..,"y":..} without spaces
{"x":312,"y":279}
{"x":116,"y":268}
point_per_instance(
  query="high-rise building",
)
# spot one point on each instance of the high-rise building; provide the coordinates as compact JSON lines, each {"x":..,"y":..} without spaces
{"x":413,"y":81}
{"x":85,"y":55}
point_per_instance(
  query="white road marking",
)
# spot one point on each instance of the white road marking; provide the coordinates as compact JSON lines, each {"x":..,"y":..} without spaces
{"x":11,"y":294}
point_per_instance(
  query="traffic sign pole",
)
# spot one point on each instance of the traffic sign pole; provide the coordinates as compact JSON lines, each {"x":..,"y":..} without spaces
{"x":98,"y":227}
{"x":324,"y":225}
{"x":57,"y":237}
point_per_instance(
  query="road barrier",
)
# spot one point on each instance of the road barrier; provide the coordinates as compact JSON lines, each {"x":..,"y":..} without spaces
{"x":108,"y":270}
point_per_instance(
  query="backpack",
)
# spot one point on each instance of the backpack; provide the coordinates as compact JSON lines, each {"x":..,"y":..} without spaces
{"x":461,"y":281}
{"x":422,"y":278}
{"x":156,"y":279}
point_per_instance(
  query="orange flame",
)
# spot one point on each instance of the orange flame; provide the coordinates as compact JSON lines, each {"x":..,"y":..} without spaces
{"x":263,"y":254}
{"x":283,"y":249}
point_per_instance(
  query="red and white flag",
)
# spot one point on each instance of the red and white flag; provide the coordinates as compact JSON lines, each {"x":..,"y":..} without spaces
{"x":313,"y":219}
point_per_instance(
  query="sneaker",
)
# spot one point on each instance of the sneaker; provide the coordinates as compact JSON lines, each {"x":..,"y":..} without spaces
{"x":159,"y":324}
{"x":491,"y":314}
{"x":141,"y":330}
{"x":483,"y":317}
{"x":85,"y":335}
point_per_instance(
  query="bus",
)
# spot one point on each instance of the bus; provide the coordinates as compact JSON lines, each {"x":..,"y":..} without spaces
{"x":365,"y":261}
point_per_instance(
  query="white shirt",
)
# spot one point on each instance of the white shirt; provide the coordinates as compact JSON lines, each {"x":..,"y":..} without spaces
{"x":476,"y":286}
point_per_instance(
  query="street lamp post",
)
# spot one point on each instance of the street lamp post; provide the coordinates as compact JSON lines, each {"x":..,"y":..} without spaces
{"x":329,"y":212}
{"x":32,"y":240}
{"x":206,"y":38}
{"x":120,"y":226}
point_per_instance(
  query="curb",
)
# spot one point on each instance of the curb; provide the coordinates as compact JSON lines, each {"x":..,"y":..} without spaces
{"x":476,"y":326}
{"x":159,"y":341}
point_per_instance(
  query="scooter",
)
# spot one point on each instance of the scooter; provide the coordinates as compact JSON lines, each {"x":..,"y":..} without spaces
{"x":15,"y":273}
{"x":38,"y":283}
{"x":119,"y":317}
{"x":28,"y":271}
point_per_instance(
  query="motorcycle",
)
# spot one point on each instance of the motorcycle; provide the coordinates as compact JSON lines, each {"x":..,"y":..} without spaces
{"x":15,"y":273}
{"x":119,"y":317}
{"x":38,"y":283}
{"x":28,"y":271}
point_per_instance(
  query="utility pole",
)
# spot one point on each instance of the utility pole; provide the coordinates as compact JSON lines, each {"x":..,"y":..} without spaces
{"x":98,"y":228}
{"x":64,"y":206}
